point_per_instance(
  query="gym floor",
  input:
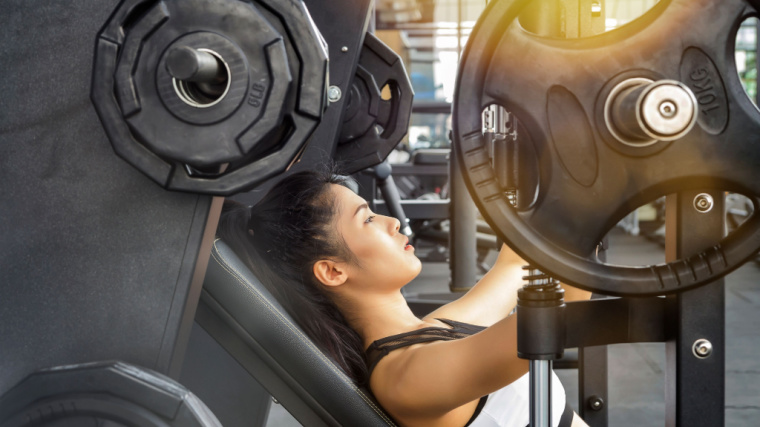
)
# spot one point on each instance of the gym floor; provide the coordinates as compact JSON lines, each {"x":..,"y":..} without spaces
{"x":637,"y":371}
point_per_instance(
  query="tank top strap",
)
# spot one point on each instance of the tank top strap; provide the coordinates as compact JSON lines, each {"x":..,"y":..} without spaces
{"x":382,"y":347}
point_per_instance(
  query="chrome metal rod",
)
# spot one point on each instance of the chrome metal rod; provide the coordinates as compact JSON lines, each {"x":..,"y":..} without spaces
{"x":194,"y":65}
{"x":540,"y":393}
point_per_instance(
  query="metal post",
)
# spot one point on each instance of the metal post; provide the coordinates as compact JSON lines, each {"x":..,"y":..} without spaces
{"x":540,"y":338}
{"x":459,"y":30}
{"x":695,"y":374}
{"x":592,"y":385}
{"x":757,"y":61}
{"x":463,"y":243}
{"x":389,"y":191}
{"x":593,"y":402}
{"x":543,"y":17}
{"x":540,"y":393}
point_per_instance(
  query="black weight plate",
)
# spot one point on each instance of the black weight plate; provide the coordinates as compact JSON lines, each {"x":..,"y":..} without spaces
{"x":372,"y":126}
{"x":113,"y":393}
{"x":585,"y":184}
{"x":276,"y":67}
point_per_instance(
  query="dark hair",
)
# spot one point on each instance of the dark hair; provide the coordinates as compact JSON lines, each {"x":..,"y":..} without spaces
{"x":280,"y":238}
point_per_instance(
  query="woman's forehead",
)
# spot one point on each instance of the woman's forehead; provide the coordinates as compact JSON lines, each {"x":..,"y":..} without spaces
{"x":347,"y":201}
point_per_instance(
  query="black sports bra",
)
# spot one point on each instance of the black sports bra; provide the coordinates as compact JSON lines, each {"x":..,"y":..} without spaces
{"x":380,"y":348}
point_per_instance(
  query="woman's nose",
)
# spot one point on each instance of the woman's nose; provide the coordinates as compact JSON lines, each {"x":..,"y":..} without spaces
{"x":396,"y":224}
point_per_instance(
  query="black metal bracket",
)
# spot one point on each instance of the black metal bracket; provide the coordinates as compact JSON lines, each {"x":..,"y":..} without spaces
{"x":615,"y":320}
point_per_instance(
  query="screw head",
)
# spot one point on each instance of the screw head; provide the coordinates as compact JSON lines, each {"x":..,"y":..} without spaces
{"x":668,"y":109}
{"x":596,"y":403}
{"x":703,"y":203}
{"x":344,"y":49}
{"x":333,"y":94}
{"x":702,"y":348}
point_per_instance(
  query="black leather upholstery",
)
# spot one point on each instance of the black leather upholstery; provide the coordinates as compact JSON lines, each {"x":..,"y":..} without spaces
{"x":243,"y":316}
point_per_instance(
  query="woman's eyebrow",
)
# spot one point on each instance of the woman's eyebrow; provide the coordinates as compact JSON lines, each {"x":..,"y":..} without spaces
{"x":360,"y":207}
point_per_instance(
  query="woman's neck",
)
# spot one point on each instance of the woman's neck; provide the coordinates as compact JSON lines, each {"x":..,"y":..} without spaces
{"x":378,"y":316}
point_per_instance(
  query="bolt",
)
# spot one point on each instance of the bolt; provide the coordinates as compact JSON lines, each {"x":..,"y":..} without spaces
{"x":596,"y":403}
{"x":668,"y":109}
{"x":596,"y":9}
{"x":703,"y":203}
{"x":333,"y":94}
{"x":702,"y":348}
{"x":344,"y":49}
{"x":511,"y":194}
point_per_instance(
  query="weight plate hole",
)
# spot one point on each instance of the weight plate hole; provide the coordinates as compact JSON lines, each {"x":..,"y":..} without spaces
{"x":205,"y":94}
{"x":549,"y":19}
{"x":386,"y":93}
{"x":645,"y":226}
{"x":739,"y":209}
{"x":745,"y":49}
{"x":513,"y":158}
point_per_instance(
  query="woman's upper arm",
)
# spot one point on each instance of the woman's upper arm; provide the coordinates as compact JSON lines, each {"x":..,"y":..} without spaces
{"x":434,"y":378}
{"x":492,"y":298}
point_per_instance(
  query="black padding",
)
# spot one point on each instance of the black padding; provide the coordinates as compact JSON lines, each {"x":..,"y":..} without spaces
{"x":97,"y":261}
{"x":235,"y":295}
{"x":212,"y":374}
{"x":102,"y":393}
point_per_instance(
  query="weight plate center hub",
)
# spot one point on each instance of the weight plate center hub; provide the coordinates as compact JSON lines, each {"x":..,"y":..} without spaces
{"x":639,"y":112}
{"x":202,"y":78}
{"x":200,"y":82}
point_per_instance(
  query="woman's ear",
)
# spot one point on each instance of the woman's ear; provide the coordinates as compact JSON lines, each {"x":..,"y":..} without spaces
{"x":330,"y":273}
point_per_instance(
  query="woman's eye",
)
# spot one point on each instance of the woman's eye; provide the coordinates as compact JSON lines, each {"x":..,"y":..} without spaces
{"x":370,"y":218}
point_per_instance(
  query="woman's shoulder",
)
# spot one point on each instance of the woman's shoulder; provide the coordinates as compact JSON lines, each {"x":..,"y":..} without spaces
{"x":407,"y":392}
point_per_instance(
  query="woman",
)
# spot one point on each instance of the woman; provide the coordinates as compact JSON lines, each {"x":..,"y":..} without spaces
{"x":339,"y":268}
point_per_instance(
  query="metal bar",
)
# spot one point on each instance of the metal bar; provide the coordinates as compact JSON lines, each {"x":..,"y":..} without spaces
{"x":593,"y":401}
{"x":614,"y":321}
{"x":368,"y":190}
{"x":433,"y":49}
{"x":417,"y":209}
{"x":430,"y":107}
{"x":757,"y":61}
{"x":425,"y":26}
{"x":432,"y":32}
{"x":401,"y":169}
{"x":459,"y":30}
{"x":695,"y":375}
{"x":463,"y":243}
{"x":207,"y":218}
{"x":593,"y":404}
{"x":389,"y":191}
{"x":540,"y":393}
{"x":543,"y":18}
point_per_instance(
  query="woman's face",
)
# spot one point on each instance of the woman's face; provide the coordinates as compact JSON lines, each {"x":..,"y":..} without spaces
{"x":384,"y":255}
